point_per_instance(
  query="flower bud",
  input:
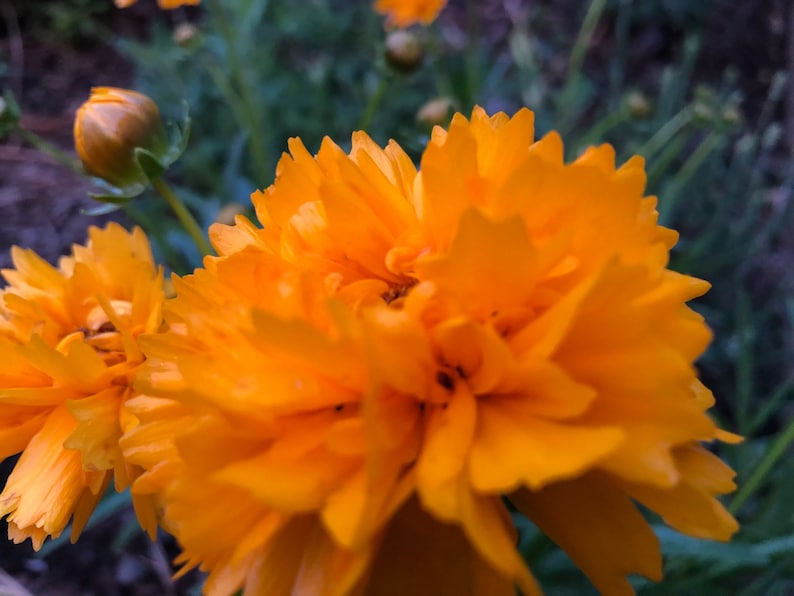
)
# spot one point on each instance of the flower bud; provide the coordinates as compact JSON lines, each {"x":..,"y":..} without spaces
{"x":403,"y":50}
{"x":187,"y":36}
{"x":638,"y":105}
{"x":732,"y":115}
{"x":112,"y":129}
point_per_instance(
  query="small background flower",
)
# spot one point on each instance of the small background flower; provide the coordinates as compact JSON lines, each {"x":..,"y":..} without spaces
{"x":68,"y":338}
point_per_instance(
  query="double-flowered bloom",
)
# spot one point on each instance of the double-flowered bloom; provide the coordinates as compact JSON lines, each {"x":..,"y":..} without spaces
{"x":68,"y":355}
{"x":353,"y":397}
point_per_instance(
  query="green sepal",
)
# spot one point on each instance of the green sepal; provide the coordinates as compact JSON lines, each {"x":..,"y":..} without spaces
{"x":103,"y":209}
{"x":151,"y":166}
{"x":116,"y":195}
{"x":179,"y":136}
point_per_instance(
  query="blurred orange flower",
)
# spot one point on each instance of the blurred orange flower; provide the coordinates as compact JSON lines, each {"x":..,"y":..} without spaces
{"x":347,"y":396}
{"x":165,"y":4}
{"x":68,"y":351}
{"x":403,"y":13}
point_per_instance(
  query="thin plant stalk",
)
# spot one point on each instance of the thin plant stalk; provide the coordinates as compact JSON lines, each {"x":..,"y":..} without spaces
{"x":48,"y":148}
{"x":374,"y":102}
{"x":252,"y":121}
{"x":662,"y":136}
{"x":575,"y":62}
{"x":761,"y":471}
{"x":185,"y":217}
{"x":583,"y":39}
{"x":709,"y":145}
{"x":472,"y":48}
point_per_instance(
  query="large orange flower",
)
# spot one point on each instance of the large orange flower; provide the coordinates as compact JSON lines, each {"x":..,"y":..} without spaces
{"x":348,"y":396}
{"x":68,"y":351}
{"x":403,"y":13}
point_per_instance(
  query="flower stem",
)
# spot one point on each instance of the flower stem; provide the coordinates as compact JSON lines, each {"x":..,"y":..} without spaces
{"x":583,"y":39}
{"x":374,"y":101}
{"x":772,"y":455}
{"x":252,"y":120}
{"x":185,"y":217}
{"x":48,"y":148}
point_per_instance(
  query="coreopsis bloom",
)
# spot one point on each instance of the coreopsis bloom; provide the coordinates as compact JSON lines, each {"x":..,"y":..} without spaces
{"x":348,"y":396}
{"x":403,"y":13}
{"x":68,"y":352}
{"x":164,"y":4}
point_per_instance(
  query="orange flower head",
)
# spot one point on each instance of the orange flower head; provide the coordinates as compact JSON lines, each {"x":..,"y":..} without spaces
{"x":68,"y":352}
{"x":365,"y":381}
{"x":111,"y":127}
{"x":164,"y":4}
{"x":403,"y":13}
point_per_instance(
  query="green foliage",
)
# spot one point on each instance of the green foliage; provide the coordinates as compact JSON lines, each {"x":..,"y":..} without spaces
{"x":63,"y":21}
{"x":291,"y":70}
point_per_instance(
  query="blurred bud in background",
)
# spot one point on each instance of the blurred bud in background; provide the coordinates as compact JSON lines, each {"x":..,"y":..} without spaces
{"x":404,"y":50}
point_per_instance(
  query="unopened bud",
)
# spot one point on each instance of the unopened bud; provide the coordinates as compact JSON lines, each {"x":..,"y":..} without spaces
{"x":403,"y":50}
{"x":435,"y":112}
{"x":732,"y":115}
{"x":227,"y":214}
{"x":187,"y":36}
{"x":110,"y":130}
{"x":702,"y":112}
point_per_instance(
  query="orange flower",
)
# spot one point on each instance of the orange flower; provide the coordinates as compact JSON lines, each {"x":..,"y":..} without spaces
{"x":164,"y":4}
{"x":351,"y":393}
{"x":403,"y":13}
{"x":110,"y":127}
{"x":68,"y":352}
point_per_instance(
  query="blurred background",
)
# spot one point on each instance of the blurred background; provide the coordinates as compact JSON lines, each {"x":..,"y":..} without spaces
{"x":703,"y":90}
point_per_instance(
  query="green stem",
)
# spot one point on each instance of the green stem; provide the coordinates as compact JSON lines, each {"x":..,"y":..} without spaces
{"x":252,"y":120}
{"x":374,"y":102}
{"x":583,"y":39}
{"x":472,"y":49}
{"x":441,"y":77}
{"x":185,"y":217}
{"x":665,"y":133}
{"x":56,"y":153}
{"x":761,"y":471}
{"x":567,"y":113}
{"x":603,"y":126}
{"x":709,"y":145}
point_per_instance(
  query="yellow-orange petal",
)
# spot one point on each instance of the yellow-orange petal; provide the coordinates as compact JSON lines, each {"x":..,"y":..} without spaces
{"x":48,"y":482}
{"x":689,"y":506}
{"x":514,"y":447}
